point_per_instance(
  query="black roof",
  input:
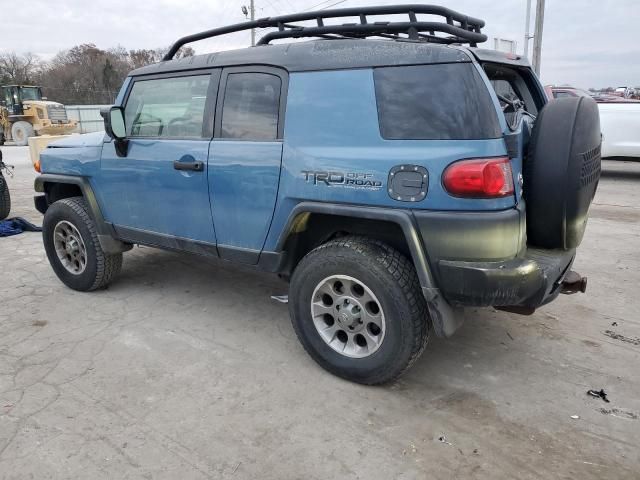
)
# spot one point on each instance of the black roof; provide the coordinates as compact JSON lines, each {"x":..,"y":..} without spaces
{"x":334,"y":54}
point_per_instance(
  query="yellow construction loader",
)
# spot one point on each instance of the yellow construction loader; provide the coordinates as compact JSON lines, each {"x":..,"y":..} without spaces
{"x":25,"y":113}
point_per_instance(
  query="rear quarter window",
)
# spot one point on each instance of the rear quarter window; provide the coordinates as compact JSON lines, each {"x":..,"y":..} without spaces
{"x":434,"y":102}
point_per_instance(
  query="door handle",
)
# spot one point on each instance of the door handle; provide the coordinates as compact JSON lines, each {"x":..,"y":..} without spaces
{"x":193,"y":166}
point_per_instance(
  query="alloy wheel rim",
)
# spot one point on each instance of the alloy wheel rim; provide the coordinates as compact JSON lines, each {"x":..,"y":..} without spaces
{"x":70,"y":247}
{"x":348,"y":316}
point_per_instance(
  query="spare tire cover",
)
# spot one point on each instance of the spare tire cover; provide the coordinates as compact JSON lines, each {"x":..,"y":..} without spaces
{"x":561,"y":172}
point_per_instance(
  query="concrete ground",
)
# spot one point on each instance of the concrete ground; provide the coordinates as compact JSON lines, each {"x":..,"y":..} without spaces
{"x":184,"y":368}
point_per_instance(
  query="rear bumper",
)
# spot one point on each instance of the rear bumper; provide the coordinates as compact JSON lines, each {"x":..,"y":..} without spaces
{"x":528,"y":281}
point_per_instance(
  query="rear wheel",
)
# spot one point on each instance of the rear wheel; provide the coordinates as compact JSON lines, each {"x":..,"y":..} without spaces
{"x":357,"y":308}
{"x":5,"y":198}
{"x":21,"y":131}
{"x":72,"y":246}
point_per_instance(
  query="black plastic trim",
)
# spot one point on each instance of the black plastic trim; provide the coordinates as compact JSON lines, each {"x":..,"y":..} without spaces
{"x":40,"y":202}
{"x":238,"y":254}
{"x":167,"y":242}
{"x":445,"y":319}
{"x":401,"y":217}
{"x":85,"y":187}
{"x":529,"y":281}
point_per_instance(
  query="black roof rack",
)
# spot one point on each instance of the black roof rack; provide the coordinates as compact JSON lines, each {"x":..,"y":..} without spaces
{"x":461,"y":28}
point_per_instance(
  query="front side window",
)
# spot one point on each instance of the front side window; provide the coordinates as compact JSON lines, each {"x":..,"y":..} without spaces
{"x":251,"y":106}
{"x":434,"y":102}
{"x":167,"y":107}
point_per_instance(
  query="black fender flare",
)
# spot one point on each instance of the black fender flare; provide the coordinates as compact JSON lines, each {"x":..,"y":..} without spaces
{"x":106,"y":235}
{"x":446,"y":319}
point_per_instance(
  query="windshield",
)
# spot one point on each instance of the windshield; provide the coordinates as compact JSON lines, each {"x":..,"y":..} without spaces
{"x":30,"y":93}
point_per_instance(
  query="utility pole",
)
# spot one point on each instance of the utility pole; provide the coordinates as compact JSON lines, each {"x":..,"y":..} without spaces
{"x":251,"y":12}
{"x":537,"y":36}
{"x":527,"y":34}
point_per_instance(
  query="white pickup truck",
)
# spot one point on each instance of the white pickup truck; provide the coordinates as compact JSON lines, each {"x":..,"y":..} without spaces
{"x":619,"y":121}
{"x":620,"y":125}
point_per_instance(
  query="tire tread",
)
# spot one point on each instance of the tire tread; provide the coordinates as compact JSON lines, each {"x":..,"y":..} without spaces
{"x":403,"y":273}
{"x":108,"y":266}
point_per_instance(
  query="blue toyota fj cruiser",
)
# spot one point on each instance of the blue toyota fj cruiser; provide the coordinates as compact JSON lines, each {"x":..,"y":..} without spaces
{"x":392,"y":174}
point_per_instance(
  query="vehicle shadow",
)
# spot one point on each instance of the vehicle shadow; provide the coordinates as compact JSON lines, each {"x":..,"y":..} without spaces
{"x":195,"y":282}
{"x":620,"y":174}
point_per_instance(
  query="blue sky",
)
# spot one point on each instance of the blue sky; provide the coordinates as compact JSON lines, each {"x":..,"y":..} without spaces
{"x":586,"y":43}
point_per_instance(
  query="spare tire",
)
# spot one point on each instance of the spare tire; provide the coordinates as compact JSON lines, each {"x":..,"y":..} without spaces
{"x":561,"y":172}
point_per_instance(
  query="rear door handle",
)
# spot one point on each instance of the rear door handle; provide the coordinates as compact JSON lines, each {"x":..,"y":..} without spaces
{"x":186,"y":165}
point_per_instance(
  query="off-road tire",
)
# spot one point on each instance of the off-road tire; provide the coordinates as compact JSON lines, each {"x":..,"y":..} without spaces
{"x":392,"y":278}
{"x":101,"y":268}
{"x":5,"y":198}
{"x":20,"y":133}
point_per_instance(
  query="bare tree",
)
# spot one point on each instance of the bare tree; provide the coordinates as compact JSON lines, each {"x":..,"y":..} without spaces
{"x":18,"y":69}
{"x":84,"y":74}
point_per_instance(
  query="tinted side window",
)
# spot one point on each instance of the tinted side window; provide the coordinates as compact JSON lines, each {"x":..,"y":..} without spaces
{"x":562,"y":94}
{"x":434,"y":102}
{"x":167,"y":107}
{"x":251,"y":106}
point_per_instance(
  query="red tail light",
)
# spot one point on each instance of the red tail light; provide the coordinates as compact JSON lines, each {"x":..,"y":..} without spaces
{"x":479,"y":178}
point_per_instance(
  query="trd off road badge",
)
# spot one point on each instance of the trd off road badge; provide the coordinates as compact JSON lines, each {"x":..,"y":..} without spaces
{"x":340,"y":179}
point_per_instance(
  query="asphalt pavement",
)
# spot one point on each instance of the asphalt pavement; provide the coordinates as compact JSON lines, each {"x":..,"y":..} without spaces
{"x":185,"y":369}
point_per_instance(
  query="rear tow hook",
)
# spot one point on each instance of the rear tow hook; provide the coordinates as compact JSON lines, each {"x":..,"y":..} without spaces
{"x":573,"y":283}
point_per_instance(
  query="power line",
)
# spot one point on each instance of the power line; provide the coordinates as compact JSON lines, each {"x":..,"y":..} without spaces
{"x":333,"y":4}
{"x":273,"y":7}
{"x":319,"y":4}
{"x":288,"y":2}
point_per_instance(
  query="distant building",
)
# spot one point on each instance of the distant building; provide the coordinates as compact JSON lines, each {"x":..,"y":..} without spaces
{"x":504,"y":45}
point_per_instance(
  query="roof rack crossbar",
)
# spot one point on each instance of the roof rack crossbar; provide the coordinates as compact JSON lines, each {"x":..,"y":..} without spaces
{"x":463,"y":29}
{"x":373,"y":29}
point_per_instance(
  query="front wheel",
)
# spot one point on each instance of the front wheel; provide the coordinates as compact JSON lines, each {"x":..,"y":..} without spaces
{"x":21,"y":131}
{"x":357,"y":308}
{"x":72,"y":246}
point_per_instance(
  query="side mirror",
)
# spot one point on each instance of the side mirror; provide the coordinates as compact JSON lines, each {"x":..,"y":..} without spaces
{"x":114,"y":127}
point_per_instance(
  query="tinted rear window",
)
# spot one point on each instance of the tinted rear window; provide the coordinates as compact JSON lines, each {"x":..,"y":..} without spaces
{"x":434,"y":102}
